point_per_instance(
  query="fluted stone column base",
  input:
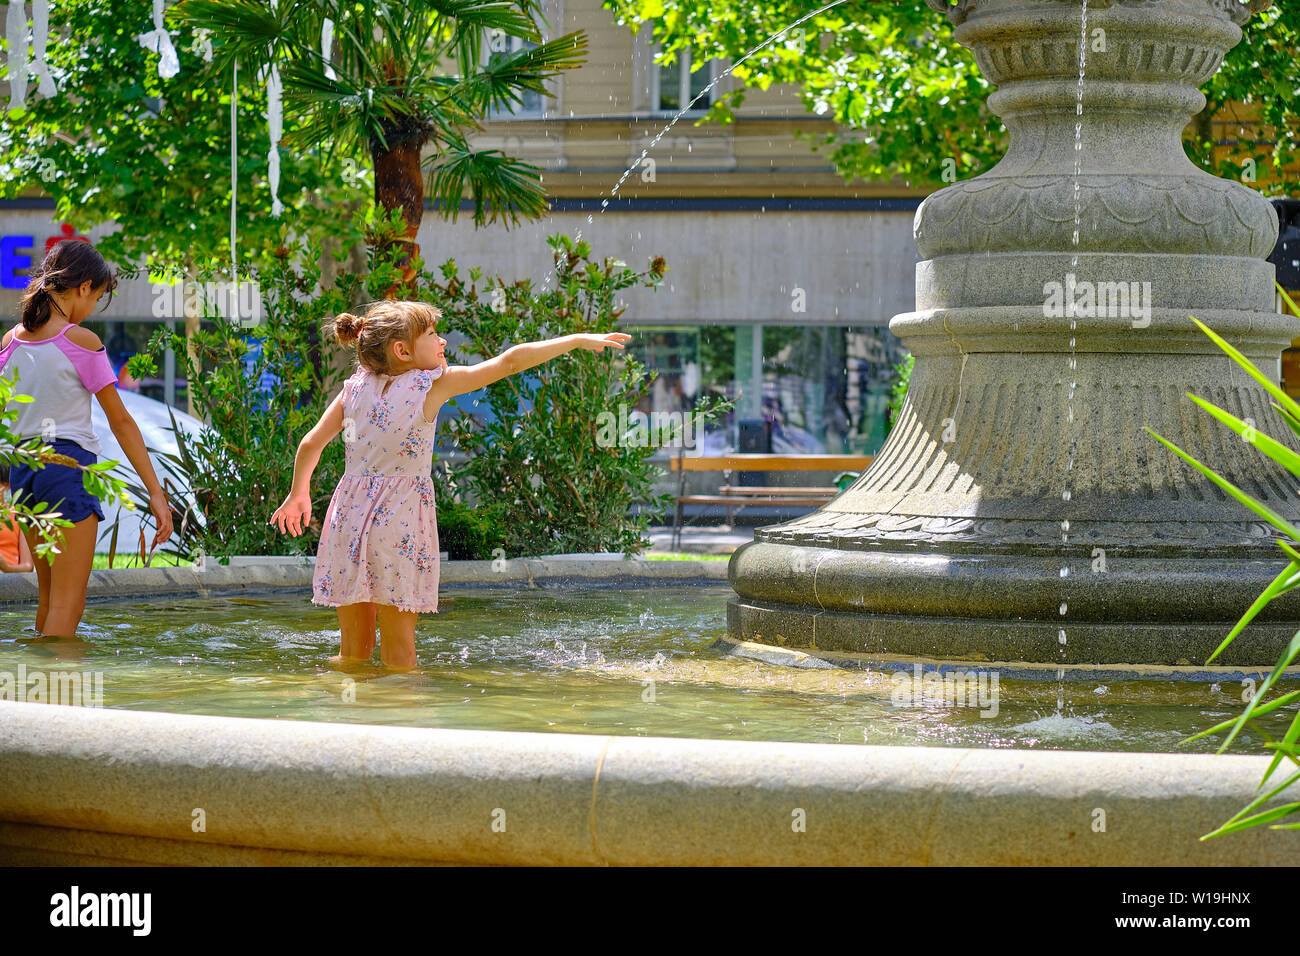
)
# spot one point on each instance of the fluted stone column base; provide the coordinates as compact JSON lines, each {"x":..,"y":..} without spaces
{"x":1019,"y":511}
{"x":1000,"y":607}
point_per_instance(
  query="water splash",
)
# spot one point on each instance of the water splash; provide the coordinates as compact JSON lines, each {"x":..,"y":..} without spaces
{"x":1059,"y":727}
{"x":604,"y":204}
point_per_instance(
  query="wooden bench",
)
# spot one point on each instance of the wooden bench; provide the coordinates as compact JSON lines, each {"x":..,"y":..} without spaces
{"x":735,"y":497}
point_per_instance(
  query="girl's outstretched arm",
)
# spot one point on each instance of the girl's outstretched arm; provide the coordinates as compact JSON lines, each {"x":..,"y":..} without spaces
{"x":459,"y":379}
{"x":295,"y":513}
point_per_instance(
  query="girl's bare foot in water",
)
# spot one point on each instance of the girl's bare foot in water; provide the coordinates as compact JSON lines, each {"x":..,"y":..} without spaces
{"x":348,"y":663}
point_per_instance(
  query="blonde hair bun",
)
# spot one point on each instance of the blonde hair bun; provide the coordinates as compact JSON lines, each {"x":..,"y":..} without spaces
{"x":347,"y":327}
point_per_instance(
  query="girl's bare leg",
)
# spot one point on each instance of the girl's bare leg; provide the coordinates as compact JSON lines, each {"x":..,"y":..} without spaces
{"x":396,"y":637}
{"x":63,"y":582}
{"x":357,"y":626}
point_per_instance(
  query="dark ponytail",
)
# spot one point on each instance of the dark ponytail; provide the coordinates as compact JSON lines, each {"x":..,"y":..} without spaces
{"x":67,"y":265}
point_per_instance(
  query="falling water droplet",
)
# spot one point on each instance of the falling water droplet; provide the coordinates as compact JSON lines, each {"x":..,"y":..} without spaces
{"x":1061,"y":639}
{"x":1065,"y":572}
{"x":1064,"y":608}
{"x":1065,"y":495}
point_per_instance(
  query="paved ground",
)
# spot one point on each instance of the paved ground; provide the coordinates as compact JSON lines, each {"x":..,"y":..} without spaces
{"x":708,"y":539}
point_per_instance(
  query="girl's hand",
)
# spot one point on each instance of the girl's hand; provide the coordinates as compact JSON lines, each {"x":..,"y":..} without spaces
{"x":597,"y":343}
{"x":162,"y":516}
{"x":293,"y":515}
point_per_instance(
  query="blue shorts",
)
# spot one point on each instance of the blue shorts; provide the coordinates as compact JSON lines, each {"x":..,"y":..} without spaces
{"x":60,"y":485}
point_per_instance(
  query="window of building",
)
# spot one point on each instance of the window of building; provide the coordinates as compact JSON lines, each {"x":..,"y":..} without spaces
{"x":825,"y":389}
{"x":500,"y":44}
{"x":675,"y":85}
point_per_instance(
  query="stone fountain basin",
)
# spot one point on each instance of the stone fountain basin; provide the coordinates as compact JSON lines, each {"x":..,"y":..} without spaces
{"x":95,"y":786}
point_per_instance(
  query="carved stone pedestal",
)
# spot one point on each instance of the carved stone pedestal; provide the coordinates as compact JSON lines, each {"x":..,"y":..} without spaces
{"x":1020,"y":453}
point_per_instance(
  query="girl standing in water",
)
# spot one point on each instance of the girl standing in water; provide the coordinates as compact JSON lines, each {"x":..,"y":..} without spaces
{"x":60,"y":365}
{"x":378,"y":556}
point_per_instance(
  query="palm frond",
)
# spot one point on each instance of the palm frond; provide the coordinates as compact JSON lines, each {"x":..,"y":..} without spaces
{"x":1284,"y":456}
{"x":243,"y":30}
{"x":497,"y":85}
{"x":499,"y":184}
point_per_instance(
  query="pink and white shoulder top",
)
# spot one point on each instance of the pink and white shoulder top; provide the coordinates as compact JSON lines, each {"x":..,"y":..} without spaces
{"x":60,"y":376}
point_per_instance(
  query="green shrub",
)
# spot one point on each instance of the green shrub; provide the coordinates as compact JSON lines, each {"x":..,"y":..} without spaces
{"x":467,"y":533}
{"x":238,"y":469}
{"x":898,"y":392}
{"x":548,"y":462}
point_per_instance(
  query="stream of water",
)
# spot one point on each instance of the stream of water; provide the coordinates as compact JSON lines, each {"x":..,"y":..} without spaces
{"x":704,"y":92}
{"x":1073,"y":363}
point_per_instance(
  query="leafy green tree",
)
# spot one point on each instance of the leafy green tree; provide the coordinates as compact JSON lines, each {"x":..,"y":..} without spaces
{"x":400,"y":76}
{"x":905,"y":96}
{"x":1263,"y":75}
{"x":117,"y":143}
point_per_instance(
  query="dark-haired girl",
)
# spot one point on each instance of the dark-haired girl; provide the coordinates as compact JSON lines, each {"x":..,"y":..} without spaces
{"x":60,"y":365}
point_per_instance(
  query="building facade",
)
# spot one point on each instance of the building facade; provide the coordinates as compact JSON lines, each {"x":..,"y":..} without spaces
{"x":782,"y":278}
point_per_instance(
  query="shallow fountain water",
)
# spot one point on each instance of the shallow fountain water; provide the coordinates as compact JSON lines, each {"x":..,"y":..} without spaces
{"x":641,"y":663}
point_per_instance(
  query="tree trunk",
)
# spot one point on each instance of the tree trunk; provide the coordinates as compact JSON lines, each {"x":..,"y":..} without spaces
{"x":399,"y":184}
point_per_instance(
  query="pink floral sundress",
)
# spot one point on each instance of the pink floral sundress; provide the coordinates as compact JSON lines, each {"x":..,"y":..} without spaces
{"x":379,"y":542}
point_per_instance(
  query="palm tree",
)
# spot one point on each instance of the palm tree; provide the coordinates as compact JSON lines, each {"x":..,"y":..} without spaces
{"x":400,"y":75}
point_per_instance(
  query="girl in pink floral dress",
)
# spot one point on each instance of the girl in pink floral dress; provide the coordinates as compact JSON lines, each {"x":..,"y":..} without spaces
{"x":378,"y":556}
